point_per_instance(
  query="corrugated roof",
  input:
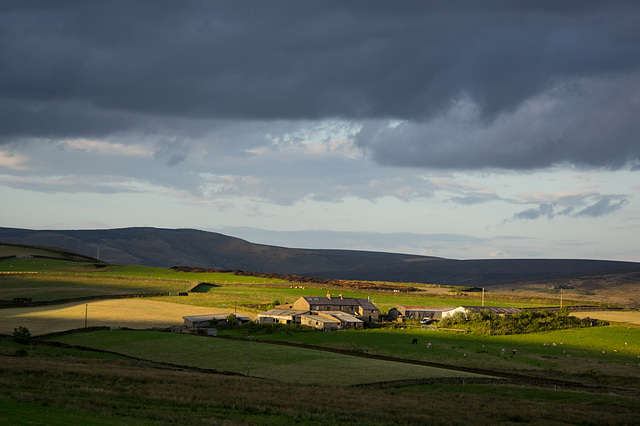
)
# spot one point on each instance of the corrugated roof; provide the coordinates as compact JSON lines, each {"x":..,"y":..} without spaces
{"x":344,"y":317}
{"x":209,"y":317}
{"x":426,"y":308}
{"x":322,"y":319}
{"x":282,"y":312}
{"x":337,"y":301}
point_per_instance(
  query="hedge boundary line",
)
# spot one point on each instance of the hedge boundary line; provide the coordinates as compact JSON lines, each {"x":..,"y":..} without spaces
{"x":10,"y":304}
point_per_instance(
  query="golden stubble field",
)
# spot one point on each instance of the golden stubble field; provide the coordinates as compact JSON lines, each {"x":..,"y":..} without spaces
{"x":130,"y":313}
{"x":629,"y":317}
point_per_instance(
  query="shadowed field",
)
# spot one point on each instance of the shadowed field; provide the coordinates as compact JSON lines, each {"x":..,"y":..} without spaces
{"x":58,"y":390}
{"x":284,"y":363}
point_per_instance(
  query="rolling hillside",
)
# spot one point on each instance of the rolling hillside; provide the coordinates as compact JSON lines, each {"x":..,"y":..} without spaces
{"x":176,"y":247}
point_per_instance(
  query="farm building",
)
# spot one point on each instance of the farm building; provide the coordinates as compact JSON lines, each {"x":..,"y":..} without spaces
{"x":362,"y":309}
{"x":496,"y":310}
{"x":320,"y":322}
{"x":417,"y":312}
{"x":280,"y":316}
{"x":212,"y":320}
{"x":346,"y":320}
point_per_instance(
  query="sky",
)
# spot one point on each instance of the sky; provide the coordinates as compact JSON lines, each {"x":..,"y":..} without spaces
{"x":466,"y":130}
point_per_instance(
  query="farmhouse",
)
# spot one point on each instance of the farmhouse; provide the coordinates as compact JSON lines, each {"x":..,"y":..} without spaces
{"x":362,"y":309}
{"x":417,"y":312}
{"x":211,"y":320}
{"x":496,"y":310}
{"x":281,"y":316}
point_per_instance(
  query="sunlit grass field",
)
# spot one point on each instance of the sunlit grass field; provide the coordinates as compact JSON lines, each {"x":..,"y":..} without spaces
{"x":61,"y":279}
{"x":288,"y":293}
{"x":595,"y":355}
{"x":70,"y":268}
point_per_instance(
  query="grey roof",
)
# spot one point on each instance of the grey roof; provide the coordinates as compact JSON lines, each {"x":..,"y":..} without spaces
{"x":493,"y":309}
{"x":425,"y":308}
{"x":323,"y":319}
{"x":209,"y":317}
{"x":276,"y":312}
{"x":337,"y":301}
{"x":344,"y":317}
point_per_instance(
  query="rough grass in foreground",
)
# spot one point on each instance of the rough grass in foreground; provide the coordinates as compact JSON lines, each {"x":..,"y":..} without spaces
{"x":62,"y":391}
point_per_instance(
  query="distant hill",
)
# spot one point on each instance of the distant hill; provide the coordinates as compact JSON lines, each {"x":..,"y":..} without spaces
{"x":189,"y":247}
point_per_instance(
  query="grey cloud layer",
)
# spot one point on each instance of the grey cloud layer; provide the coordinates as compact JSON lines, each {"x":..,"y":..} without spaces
{"x":95,"y":69}
{"x":586,"y":205}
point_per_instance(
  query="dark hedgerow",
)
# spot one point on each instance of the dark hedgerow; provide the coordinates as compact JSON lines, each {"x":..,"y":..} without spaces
{"x":485,"y":322}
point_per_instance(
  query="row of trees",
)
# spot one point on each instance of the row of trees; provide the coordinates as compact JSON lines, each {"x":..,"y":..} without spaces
{"x":485,"y":322}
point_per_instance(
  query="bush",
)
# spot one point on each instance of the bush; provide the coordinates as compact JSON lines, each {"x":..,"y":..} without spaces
{"x":22,"y":335}
{"x":524,"y":322}
{"x":231,"y":319}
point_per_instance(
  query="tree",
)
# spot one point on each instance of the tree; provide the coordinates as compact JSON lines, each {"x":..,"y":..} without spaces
{"x":22,"y":335}
{"x":231,"y":319}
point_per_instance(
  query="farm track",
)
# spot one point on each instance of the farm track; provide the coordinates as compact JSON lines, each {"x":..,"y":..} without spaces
{"x":494,"y":376}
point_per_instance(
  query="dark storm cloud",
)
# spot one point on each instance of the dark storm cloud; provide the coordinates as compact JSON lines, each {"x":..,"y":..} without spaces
{"x":72,"y":69}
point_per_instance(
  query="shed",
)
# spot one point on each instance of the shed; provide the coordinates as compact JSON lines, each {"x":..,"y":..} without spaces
{"x":496,"y":310}
{"x":212,"y":320}
{"x":320,"y":322}
{"x":281,"y":316}
{"x":346,"y":320}
{"x":417,"y":312}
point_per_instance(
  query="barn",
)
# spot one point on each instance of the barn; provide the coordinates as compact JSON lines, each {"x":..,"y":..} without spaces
{"x":417,"y":312}
{"x":496,"y":310}
{"x":281,"y":316}
{"x":212,"y":320}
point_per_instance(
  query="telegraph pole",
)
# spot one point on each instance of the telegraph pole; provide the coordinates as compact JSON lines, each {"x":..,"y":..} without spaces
{"x":86,"y":308}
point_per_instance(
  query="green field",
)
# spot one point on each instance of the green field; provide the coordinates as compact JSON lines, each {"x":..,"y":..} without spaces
{"x":597,"y":369}
{"x":256,"y":294}
{"x":597,"y":356}
{"x":64,"y":267}
{"x":62,"y":279}
{"x":277,"y":362}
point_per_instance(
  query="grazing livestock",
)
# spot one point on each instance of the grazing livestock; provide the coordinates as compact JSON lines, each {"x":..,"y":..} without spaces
{"x":414,"y":342}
